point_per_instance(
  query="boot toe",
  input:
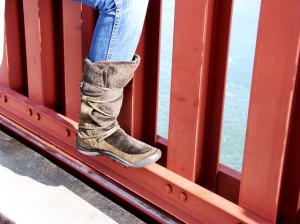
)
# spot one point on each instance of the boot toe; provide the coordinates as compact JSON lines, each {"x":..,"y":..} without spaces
{"x":148,"y":160}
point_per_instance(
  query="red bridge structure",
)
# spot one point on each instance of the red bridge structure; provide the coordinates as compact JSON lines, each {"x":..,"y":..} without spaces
{"x":45,"y":44}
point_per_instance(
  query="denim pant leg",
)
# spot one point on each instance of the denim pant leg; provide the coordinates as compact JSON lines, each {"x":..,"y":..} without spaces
{"x":118,"y":28}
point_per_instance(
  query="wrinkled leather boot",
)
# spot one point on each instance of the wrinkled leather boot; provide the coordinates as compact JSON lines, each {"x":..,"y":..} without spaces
{"x":101,"y":99}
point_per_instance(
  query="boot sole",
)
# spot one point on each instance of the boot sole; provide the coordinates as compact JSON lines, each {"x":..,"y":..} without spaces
{"x":98,"y":152}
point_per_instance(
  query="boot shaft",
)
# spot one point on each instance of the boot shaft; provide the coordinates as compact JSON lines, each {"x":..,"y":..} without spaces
{"x":102,"y":94}
{"x":111,"y":75}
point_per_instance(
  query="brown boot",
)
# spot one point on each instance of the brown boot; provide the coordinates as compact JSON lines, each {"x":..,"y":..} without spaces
{"x":101,"y":100}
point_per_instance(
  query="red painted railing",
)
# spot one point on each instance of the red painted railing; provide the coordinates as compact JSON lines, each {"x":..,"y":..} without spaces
{"x":45,"y":43}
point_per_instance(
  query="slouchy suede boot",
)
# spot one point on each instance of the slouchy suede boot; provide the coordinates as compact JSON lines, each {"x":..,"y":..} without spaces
{"x":101,"y":99}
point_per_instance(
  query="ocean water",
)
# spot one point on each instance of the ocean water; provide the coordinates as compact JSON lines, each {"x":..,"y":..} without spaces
{"x":239,"y":74}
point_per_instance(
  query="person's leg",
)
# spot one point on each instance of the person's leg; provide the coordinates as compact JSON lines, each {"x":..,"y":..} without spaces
{"x":117,"y":30}
{"x":107,"y":71}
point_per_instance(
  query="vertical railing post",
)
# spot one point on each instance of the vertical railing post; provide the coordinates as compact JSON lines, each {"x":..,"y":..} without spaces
{"x":289,"y":201}
{"x":191,"y":54}
{"x":89,"y":16}
{"x":216,"y":93}
{"x":12,"y":68}
{"x":47,"y":48}
{"x":138,"y":114}
{"x":72,"y":39}
{"x":33,"y":50}
{"x":39,"y":37}
{"x":201,"y":45}
{"x":272,"y":92}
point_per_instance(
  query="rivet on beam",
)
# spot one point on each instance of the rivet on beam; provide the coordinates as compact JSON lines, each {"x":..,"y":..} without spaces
{"x":68,"y":132}
{"x":168,"y":188}
{"x":30,"y":112}
{"x":183,"y":196}
{"x":38,"y":116}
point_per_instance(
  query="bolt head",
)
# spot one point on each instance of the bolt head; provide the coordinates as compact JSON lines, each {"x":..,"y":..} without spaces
{"x":183,"y":196}
{"x":30,"y":112}
{"x":168,"y":188}
{"x":38,"y":116}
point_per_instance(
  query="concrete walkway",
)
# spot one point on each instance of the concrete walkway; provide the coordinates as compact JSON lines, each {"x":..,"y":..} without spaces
{"x":34,"y":190}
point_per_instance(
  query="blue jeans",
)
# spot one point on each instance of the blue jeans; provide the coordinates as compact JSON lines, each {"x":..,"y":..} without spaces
{"x":118,"y":28}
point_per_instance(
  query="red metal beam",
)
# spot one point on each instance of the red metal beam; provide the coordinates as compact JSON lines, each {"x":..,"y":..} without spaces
{"x":290,"y":186}
{"x":162,"y":144}
{"x":12,"y":72}
{"x":195,"y":108}
{"x":138,"y":114}
{"x":126,"y":114}
{"x":216,"y":94}
{"x":4,"y":77}
{"x":89,"y":16}
{"x":272,"y":92}
{"x":198,"y":87}
{"x":128,"y":200}
{"x":41,"y":52}
{"x":228,"y":183}
{"x":47,"y":52}
{"x":72,"y":43}
{"x":174,"y":194}
{"x":33,"y":50}
{"x":191,"y":54}
{"x":39,"y":37}
{"x":145,"y":82}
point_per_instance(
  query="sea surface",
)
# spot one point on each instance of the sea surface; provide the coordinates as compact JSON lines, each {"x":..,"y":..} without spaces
{"x":239,"y":74}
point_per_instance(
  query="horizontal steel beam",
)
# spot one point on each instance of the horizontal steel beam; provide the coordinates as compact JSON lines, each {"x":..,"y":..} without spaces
{"x":159,"y":186}
{"x":130,"y":201}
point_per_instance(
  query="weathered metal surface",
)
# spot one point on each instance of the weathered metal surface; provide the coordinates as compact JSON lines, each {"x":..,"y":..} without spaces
{"x":132,"y":202}
{"x":289,"y":201}
{"x":72,"y":52}
{"x":198,"y":88}
{"x":145,"y":82}
{"x":271,"y":101}
{"x":172,"y":193}
{"x":216,"y":94}
{"x":191,"y":56}
{"x":228,"y":183}
{"x":12,"y":72}
{"x":36,"y":87}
